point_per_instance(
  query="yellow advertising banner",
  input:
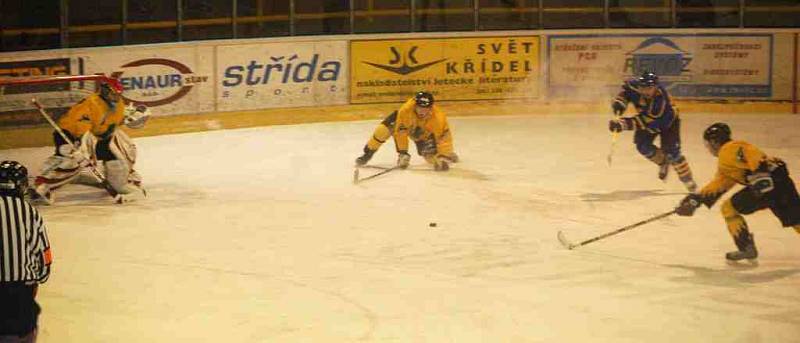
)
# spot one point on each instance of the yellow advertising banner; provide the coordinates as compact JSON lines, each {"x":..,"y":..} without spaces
{"x":450,"y":68}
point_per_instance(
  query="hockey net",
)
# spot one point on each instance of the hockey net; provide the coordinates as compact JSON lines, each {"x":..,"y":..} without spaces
{"x":56,"y":93}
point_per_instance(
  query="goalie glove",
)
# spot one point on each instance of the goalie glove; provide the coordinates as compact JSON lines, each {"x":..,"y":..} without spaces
{"x":136,"y":116}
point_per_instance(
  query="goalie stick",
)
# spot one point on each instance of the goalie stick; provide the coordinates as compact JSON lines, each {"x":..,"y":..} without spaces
{"x":107,"y":186}
{"x":570,"y":246}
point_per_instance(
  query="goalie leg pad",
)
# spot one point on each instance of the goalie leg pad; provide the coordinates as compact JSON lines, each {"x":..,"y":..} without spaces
{"x":56,"y":172}
{"x":120,"y":172}
{"x":123,"y":147}
{"x":89,"y":146}
{"x":118,"y":176}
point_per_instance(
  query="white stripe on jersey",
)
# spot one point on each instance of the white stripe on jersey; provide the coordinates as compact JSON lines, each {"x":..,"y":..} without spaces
{"x":23,"y":241}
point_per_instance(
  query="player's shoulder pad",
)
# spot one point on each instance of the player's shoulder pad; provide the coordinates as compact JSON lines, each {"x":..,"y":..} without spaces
{"x":733,"y":151}
{"x":406,"y":109}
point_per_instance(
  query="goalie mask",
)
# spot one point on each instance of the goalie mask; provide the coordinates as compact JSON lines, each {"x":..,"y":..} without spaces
{"x":13,"y":179}
{"x":111,"y":91}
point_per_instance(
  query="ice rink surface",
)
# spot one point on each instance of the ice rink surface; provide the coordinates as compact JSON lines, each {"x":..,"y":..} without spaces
{"x":259,"y":235}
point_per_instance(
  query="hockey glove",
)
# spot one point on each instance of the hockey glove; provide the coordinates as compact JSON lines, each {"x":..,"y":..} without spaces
{"x":451,"y":158}
{"x":618,"y":107}
{"x":688,"y":205}
{"x":403,"y":159}
{"x":614,"y":126}
{"x":440,"y":163}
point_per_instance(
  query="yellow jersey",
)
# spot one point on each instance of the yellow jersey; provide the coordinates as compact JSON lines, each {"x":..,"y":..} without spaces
{"x":93,"y":114}
{"x":435,"y":125}
{"x":737,"y":160}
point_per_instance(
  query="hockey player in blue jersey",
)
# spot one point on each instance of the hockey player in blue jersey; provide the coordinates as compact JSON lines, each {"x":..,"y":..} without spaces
{"x":656,"y":116}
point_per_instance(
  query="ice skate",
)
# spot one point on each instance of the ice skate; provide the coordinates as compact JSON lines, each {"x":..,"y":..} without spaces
{"x":691,"y":186}
{"x":663,"y":171}
{"x":363,"y":159}
{"x":749,"y":253}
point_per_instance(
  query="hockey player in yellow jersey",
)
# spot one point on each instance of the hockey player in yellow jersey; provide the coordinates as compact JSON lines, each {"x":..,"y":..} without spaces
{"x":420,"y":120}
{"x":767,"y":185}
{"x":92,"y":126}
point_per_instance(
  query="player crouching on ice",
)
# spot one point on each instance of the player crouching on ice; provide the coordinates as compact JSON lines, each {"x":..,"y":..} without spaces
{"x":420,"y":119}
{"x":656,"y":117}
{"x":767,"y":185}
{"x":91,"y":128}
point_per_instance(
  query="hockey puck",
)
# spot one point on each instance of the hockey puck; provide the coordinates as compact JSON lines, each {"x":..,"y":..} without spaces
{"x":432,"y":224}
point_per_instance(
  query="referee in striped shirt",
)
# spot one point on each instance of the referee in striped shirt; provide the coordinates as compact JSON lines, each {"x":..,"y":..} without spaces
{"x":24,"y":256}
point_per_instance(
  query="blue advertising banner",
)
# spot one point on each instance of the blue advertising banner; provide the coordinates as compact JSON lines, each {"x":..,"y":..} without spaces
{"x":690,"y":66}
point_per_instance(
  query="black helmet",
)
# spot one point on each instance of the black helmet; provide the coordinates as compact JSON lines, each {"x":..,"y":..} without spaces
{"x":424,"y":99}
{"x":717,"y":133}
{"x":648,"y":78}
{"x":13,"y":179}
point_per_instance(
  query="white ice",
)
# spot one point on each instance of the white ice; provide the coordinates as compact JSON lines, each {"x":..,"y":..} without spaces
{"x":259,"y":235}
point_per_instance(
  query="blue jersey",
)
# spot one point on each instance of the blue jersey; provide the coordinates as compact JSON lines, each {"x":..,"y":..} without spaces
{"x":629,"y":94}
{"x":654,"y":114}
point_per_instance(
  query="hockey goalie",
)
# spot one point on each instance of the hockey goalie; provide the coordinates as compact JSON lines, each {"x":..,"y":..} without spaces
{"x":88,"y":136}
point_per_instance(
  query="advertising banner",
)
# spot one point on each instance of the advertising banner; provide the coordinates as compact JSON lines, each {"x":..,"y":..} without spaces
{"x":691,"y":66}
{"x":269,"y":75}
{"x":36,"y":68}
{"x":17,"y":98}
{"x":170,"y":80}
{"x":450,"y":68}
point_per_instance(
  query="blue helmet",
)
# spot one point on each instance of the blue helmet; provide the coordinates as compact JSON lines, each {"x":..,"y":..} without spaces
{"x":648,"y":78}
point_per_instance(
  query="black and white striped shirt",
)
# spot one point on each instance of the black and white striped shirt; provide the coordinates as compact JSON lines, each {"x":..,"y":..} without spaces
{"x":24,"y":247}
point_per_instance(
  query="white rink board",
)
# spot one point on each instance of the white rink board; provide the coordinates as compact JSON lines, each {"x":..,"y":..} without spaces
{"x":169,"y":79}
{"x":268,"y":75}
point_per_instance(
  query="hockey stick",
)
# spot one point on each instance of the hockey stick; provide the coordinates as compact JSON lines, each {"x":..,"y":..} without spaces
{"x":570,"y":246}
{"x":357,"y":180}
{"x":107,"y":186}
{"x":614,"y":136}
